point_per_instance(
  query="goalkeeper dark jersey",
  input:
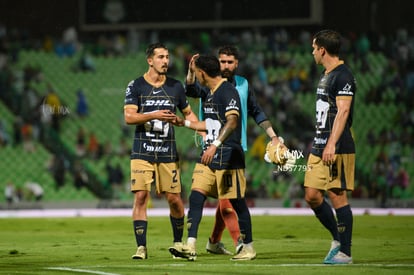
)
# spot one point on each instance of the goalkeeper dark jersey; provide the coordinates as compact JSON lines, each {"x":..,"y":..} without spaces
{"x":217,"y":105}
{"x":155,"y":140}
{"x":338,"y":83}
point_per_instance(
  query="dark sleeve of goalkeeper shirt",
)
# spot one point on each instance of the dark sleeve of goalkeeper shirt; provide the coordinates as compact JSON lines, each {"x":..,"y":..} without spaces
{"x":254,"y":109}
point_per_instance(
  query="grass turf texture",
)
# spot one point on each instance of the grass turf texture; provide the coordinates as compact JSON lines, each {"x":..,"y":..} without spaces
{"x":284,"y":245}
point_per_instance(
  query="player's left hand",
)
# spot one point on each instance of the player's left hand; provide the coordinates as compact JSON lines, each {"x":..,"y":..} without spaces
{"x":164,"y":115}
{"x":208,"y":154}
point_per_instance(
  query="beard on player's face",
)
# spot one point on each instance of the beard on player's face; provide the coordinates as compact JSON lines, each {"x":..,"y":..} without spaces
{"x":226,"y":73}
{"x":163,"y":70}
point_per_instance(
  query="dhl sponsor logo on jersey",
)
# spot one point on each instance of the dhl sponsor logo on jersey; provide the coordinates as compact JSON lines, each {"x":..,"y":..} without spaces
{"x":157,"y":102}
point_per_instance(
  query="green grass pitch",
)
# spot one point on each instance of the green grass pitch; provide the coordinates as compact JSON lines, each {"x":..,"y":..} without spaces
{"x":284,"y":245}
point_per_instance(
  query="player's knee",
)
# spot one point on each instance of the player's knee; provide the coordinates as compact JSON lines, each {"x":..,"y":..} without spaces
{"x":140,"y":199}
{"x":313,"y":201}
{"x":313,"y":197}
{"x":175,"y":202}
{"x":226,"y":211}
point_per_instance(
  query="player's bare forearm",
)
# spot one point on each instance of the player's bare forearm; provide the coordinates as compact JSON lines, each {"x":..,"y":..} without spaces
{"x":344,"y":106}
{"x":341,"y":117}
{"x":268,"y":128}
{"x":189,"y":115}
{"x":195,"y":125}
{"x":198,"y":125}
{"x":228,"y":128}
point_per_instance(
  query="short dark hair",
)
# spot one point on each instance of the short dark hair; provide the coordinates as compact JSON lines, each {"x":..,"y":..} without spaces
{"x":149,"y":52}
{"x":330,"y":40}
{"x":208,"y":63}
{"x":229,"y":50}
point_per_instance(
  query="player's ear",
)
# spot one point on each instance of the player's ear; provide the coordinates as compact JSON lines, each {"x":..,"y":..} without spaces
{"x":202,"y":75}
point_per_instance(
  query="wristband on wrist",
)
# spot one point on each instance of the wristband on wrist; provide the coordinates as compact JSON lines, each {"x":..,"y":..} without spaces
{"x":216,"y":143}
{"x":187,"y":123}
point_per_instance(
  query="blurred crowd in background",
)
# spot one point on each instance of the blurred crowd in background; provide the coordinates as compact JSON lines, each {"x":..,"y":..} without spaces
{"x":263,"y":51}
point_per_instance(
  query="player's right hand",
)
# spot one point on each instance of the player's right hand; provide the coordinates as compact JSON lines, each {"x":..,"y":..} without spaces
{"x":191,"y":64}
{"x":276,"y":153}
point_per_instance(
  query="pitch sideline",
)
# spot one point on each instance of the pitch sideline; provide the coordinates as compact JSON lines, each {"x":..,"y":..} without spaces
{"x":97,"y":272}
{"x":124,"y":212}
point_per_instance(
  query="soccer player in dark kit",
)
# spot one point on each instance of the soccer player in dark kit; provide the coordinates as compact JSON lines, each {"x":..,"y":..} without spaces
{"x":151,"y":102}
{"x":219,"y":173}
{"x":331,"y":164}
